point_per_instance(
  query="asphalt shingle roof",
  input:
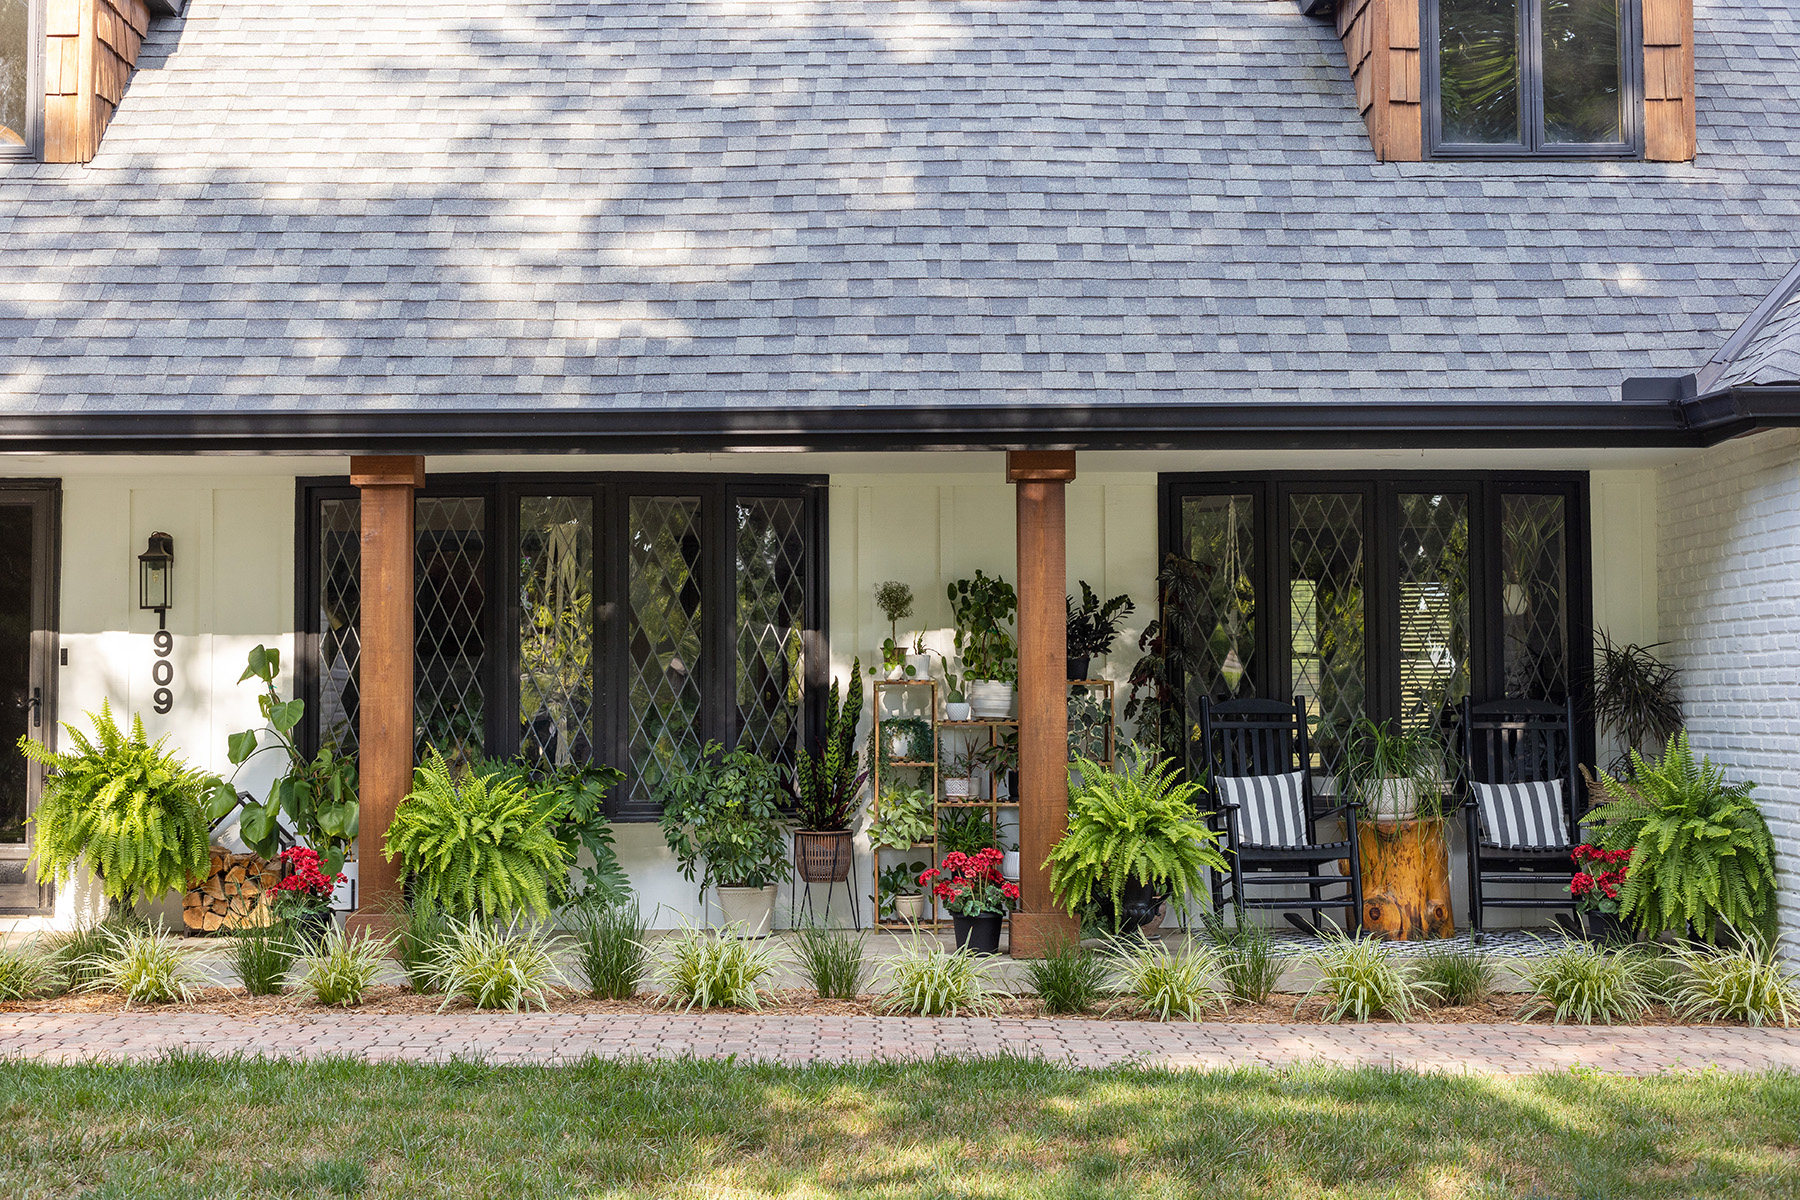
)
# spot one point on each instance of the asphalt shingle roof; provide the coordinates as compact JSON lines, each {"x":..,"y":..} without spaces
{"x":1771,"y":355}
{"x":499,"y":203}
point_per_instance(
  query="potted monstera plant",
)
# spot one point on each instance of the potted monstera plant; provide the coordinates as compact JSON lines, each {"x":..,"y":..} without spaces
{"x":823,"y":787}
{"x":722,"y":820}
{"x":983,"y":607}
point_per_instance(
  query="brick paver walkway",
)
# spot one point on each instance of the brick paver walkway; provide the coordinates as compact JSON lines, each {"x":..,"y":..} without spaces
{"x":549,"y":1038}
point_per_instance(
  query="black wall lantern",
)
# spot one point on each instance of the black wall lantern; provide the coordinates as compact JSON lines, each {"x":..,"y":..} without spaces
{"x":155,"y":566}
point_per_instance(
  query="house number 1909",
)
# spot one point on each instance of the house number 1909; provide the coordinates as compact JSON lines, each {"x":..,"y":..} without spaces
{"x":162,"y":671}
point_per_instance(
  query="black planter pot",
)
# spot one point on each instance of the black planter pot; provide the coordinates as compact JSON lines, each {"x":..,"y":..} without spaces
{"x":1139,"y":905}
{"x":311,"y":927}
{"x":1078,"y":667}
{"x":1012,"y":786}
{"x":1605,"y":928}
{"x":978,"y":935}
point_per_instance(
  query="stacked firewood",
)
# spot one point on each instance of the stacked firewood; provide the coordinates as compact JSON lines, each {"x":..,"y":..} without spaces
{"x":233,"y":894}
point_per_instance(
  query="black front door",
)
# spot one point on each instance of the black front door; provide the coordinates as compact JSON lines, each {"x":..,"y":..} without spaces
{"x":28,"y":522}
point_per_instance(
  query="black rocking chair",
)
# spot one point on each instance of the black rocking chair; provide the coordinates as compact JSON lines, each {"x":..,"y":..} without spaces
{"x":1520,"y":774}
{"x":1259,"y":779}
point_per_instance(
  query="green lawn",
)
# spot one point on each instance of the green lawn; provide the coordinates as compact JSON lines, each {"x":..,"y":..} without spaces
{"x":191,"y":1128}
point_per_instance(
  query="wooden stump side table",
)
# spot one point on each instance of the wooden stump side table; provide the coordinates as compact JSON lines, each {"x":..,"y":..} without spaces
{"x":1406,"y":879}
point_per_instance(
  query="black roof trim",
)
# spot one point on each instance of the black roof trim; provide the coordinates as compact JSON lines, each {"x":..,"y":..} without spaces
{"x":1290,"y":425}
{"x":1733,"y":412}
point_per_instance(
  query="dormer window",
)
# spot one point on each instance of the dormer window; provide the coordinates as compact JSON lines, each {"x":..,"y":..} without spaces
{"x":18,"y":85}
{"x":1515,"y":78}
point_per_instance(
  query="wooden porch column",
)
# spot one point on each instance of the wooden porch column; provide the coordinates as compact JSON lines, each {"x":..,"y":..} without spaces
{"x":1040,"y":477}
{"x":385,"y":670}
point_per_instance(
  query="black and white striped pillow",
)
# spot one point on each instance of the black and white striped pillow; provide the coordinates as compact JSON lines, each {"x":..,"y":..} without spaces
{"x":1271,"y":808}
{"x":1521,"y":815}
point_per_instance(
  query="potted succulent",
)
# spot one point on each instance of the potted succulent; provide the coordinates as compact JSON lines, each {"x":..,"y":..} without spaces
{"x":823,"y":787}
{"x":1599,"y":874}
{"x":725,"y":813}
{"x":977,"y":896}
{"x":956,"y":705}
{"x":895,"y":600}
{"x":1134,"y":839}
{"x":901,"y":896}
{"x":957,"y":769}
{"x":902,"y":819}
{"x":1397,"y":774}
{"x":1092,"y":628}
{"x":990,"y":658}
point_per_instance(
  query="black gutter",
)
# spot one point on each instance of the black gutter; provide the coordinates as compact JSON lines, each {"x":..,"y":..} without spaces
{"x":1736,"y":411}
{"x":1298,"y":425}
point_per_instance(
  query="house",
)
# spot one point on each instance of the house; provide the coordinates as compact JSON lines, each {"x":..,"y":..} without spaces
{"x":1456,"y":339}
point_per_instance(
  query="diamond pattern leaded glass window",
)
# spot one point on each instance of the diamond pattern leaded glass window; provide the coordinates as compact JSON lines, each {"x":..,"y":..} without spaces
{"x":1433,"y":577}
{"x":664,"y":635}
{"x":1326,"y":605}
{"x":450,"y":622}
{"x":771,"y":622}
{"x":1534,"y":597}
{"x":1219,"y":538}
{"x":339,"y":618}
{"x":556,"y":629}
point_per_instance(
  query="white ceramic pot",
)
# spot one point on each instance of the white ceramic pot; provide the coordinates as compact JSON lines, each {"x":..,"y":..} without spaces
{"x":920,"y":664}
{"x":1393,"y":800}
{"x":1009,"y":863}
{"x":900,"y":745}
{"x":956,"y":711}
{"x":958,"y":789}
{"x":750,"y":911}
{"x":343,"y":894}
{"x":909,"y":908}
{"x":990,"y":699}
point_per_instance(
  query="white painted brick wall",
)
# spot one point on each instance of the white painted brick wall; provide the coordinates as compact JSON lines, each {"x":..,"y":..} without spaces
{"x":1728,"y":581}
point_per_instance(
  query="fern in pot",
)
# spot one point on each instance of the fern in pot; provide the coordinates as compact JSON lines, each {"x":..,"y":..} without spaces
{"x":1135,"y":839}
{"x":823,"y":788}
{"x":722,"y":820}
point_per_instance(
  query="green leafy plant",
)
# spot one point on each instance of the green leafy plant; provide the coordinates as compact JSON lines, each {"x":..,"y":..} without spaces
{"x":825,"y":781}
{"x":957,"y":763}
{"x":899,"y":879}
{"x":420,"y":927}
{"x":25,"y":971}
{"x":1139,"y":825}
{"x":1205,"y":622}
{"x":1636,"y":697}
{"x":1001,"y":756}
{"x":834,"y":961}
{"x":902,"y":819}
{"x":609,"y":949}
{"x":317,"y":795}
{"x":1587,"y":985}
{"x":982,"y":608}
{"x":1246,"y":958}
{"x":895,"y":600}
{"x":725,"y":813}
{"x":1701,"y":851}
{"x":1403,"y":766}
{"x":1749,"y":982}
{"x":262,"y":956}
{"x":145,"y":965}
{"x":929,"y":981}
{"x":1089,"y":725}
{"x":698,"y":969}
{"x":966,"y":831}
{"x":342,"y":967}
{"x":1172,"y":986}
{"x":578,"y":793}
{"x":1094,"y":627}
{"x":1360,"y":977}
{"x":914,"y":733}
{"x":130,"y":808}
{"x":492,"y":968}
{"x":1069,"y":978}
{"x":478,"y":844}
{"x":1461,"y":977}
{"x":72,"y":953}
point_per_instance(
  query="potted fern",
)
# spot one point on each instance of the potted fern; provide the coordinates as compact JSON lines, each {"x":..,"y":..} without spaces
{"x":722,"y":821}
{"x":823,"y":787}
{"x":1135,"y":838}
{"x":482,"y":845}
{"x":127,"y":806}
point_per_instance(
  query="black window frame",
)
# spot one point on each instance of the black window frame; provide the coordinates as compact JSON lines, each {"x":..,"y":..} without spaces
{"x":502,"y":493}
{"x":1531,"y":90}
{"x":34,"y":85}
{"x":1381,"y":491}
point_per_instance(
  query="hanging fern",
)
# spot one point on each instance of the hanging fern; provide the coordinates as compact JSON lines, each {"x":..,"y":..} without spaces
{"x":1139,"y":825}
{"x":1701,"y":852}
{"x":132,"y":809}
{"x":477,"y":844}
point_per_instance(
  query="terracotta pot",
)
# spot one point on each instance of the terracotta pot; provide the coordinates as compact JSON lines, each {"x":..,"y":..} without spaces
{"x":990,"y":699}
{"x":751,"y":910}
{"x":978,"y":935}
{"x":910,"y":908}
{"x":823,"y":856}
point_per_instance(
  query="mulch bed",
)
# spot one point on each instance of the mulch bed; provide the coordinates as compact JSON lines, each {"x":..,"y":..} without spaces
{"x":391,"y":1000}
